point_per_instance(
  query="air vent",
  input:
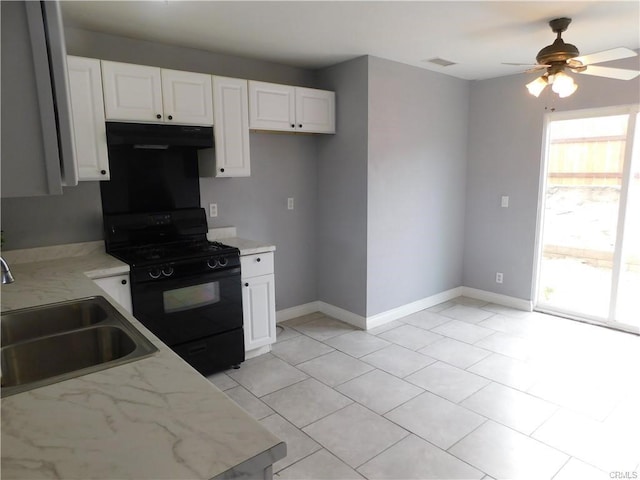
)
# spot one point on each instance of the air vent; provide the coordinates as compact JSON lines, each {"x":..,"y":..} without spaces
{"x":440,"y":61}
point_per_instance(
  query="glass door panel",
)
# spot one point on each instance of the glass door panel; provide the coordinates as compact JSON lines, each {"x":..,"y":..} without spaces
{"x":585,"y":165}
{"x":627,"y":309}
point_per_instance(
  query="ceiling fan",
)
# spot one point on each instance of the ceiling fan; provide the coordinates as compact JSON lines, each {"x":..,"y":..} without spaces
{"x":561,"y":56}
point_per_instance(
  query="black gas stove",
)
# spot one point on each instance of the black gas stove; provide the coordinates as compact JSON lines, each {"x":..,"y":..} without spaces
{"x":184,"y":288}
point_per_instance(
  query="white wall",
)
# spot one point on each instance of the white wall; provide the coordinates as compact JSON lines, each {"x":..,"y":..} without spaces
{"x":416,"y":183}
{"x":504,"y":158}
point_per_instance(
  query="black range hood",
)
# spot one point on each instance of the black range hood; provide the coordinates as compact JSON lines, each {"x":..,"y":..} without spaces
{"x":158,"y":136}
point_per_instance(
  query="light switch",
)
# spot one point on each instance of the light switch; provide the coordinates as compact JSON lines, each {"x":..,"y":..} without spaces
{"x":290,"y":203}
{"x":213,"y":209}
{"x":504,"y":201}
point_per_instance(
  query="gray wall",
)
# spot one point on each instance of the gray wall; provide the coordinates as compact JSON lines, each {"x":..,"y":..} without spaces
{"x":416,"y":183}
{"x":282,"y":166}
{"x":505,"y":153}
{"x":342,"y":191}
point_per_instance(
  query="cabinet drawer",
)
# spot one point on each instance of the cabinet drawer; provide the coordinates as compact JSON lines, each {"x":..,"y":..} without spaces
{"x":257,"y":264}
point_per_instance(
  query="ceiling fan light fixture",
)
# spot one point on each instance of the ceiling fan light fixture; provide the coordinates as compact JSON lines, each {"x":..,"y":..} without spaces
{"x":563,"y":85}
{"x":537,"y":86}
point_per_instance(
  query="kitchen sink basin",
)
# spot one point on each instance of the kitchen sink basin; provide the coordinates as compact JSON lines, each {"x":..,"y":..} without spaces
{"x":52,"y":343}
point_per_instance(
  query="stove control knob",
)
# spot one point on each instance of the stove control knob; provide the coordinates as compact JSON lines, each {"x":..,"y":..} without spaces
{"x":167,"y":271}
{"x":212,"y":263}
{"x":222,"y":261}
{"x":155,"y":273}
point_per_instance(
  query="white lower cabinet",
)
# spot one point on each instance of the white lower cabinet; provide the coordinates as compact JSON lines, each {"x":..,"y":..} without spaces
{"x":258,"y":300}
{"x":118,"y":288}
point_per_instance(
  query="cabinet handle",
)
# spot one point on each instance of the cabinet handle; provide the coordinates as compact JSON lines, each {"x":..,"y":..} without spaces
{"x":246,"y":284}
{"x":124,"y":282}
{"x":258,"y":259}
{"x":170,"y":117}
{"x":158,"y":116}
{"x":103,"y":172}
{"x":293,"y":126}
{"x":221,"y":170}
{"x":299,"y":125}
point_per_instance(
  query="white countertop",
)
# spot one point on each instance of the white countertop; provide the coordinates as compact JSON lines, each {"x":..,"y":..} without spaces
{"x":149,"y":419}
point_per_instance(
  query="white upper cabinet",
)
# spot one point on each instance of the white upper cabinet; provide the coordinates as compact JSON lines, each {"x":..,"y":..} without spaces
{"x":272,"y":106}
{"x":150,"y":94}
{"x":231,"y":127}
{"x":293,"y":109}
{"x":87,"y":107}
{"x":132,"y":92}
{"x":186,"y":97}
{"x":315,"y":110}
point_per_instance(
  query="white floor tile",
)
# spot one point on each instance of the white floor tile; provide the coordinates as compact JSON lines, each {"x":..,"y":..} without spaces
{"x":285,"y":332}
{"x":222,"y":381}
{"x":306,"y":401}
{"x":250,"y":403}
{"x":470,"y":302}
{"x":466,"y":313}
{"x":463,"y":331}
{"x":355,"y":434}
{"x":299,"y":445}
{"x":357,"y":343}
{"x":510,"y":407}
{"x":599,"y":444}
{"x":574,"y":469}
{"x":447,"y":381}
{"x":384,"y":327}
{"x":266,"y":376}
{"x":379,"y":391}
{"x":505,"y":453}
{"x":502,"y":310}
{"x":413,"y":458}
{"x":506,"y":370}
{"x":334,"y":368}
{"x":454,"y":352}
{"x":508,"y":345}
{"x":320,"y":465}
{"x":435,"y":419}
{"x":299,"y":349}
{"x":324,"y":328}
{"x":425,"y":319}
{"x":398,"y":361}
{"x":410,"y":337}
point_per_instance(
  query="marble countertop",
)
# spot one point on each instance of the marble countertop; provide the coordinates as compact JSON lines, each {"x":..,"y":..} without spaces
{"x":149,"y":419}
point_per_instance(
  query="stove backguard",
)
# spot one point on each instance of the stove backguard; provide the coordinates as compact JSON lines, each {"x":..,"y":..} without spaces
{"x":150,"y":180}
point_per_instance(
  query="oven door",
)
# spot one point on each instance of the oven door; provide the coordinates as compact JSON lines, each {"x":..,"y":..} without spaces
{"x":180,"y":310}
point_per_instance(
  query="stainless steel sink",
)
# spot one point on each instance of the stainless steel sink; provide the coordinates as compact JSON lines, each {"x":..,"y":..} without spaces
{"x":51,"y":343}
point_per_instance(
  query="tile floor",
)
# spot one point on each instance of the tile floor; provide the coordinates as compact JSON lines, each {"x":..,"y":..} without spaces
{"x":463,"y":390}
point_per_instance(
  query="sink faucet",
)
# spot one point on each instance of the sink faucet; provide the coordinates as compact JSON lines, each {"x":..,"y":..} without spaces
{"x":6,"y":272}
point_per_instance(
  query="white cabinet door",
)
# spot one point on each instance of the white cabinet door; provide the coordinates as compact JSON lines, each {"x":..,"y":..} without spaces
{"x":271,"y":106}
{"x":258,"y":303}
{"x":87,"y":107}
{"x":118,"y":288}
{"x":231,"y":127}
{"x":315,"y":110}
{"x":132,"y":92}
{"x":186,"y":97}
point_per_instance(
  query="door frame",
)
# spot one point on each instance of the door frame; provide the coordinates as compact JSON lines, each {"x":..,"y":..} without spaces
{"x":633,"y":111}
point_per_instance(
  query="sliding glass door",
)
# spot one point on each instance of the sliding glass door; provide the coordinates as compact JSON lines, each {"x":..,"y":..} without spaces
{"x":589,"y":225}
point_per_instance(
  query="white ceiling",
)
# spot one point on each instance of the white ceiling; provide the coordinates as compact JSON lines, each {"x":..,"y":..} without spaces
{"x":477,"y":35}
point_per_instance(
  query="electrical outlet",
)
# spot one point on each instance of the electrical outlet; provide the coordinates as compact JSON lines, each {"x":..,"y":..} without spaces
{"x":213,"y":209}
{"x":504,"y":201}
{"x":498,"y":277}
{"x":290,"y":203}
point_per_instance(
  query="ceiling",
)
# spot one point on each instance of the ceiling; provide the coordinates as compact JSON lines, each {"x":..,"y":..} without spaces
{"x":476,"y":35}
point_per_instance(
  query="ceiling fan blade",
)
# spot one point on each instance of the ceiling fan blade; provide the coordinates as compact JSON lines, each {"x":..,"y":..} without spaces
{"x":606,"y":56}
{"x":608,"y":72}
{"x":522,"y":64}
{"x":537,"y":68}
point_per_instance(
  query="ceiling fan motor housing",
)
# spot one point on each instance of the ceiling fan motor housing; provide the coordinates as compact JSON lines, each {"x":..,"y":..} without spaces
{"x":558,"y":51}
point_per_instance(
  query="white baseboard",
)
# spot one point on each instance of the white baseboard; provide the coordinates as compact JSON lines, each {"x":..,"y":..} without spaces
{"x":507,"y":301}
{"x":379,"y":319}
{"x":297,"y":311}
{"x":413,"y":307}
